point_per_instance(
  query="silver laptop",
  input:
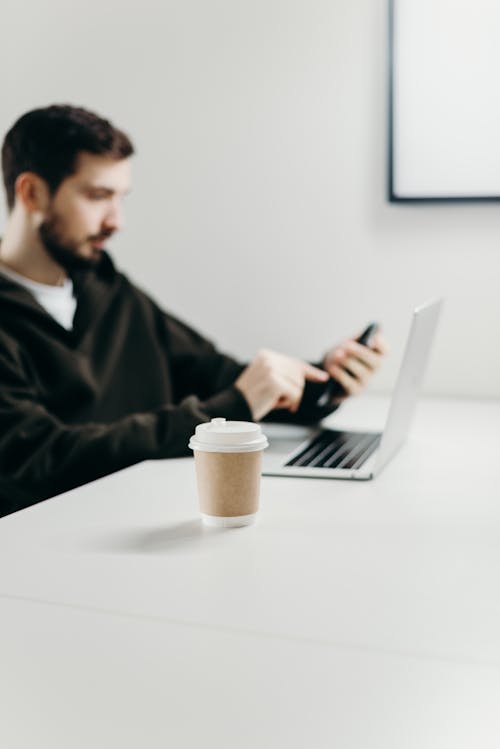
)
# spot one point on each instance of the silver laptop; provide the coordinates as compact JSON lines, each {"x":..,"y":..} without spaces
{"x":335,"y":454}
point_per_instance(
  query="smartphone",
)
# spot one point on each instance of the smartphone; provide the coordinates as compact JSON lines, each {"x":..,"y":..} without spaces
{"x":333,"y":388}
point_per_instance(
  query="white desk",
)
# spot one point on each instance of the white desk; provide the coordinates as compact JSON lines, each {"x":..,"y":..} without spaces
{"x":353,"y":615}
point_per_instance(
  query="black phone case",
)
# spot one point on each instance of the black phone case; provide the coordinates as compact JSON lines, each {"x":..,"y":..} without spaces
{"x":334,"y":389}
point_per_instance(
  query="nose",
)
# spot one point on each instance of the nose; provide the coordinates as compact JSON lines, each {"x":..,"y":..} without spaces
{"x":114,"y":217}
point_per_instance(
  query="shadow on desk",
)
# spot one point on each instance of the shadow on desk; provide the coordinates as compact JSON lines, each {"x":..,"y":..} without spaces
{"x":148,"y":540}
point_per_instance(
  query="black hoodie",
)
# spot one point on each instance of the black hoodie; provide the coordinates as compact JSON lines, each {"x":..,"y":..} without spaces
{"x":128,"y":383}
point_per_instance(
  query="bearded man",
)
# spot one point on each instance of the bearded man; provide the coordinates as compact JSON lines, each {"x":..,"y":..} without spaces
{"x":94,"y":375}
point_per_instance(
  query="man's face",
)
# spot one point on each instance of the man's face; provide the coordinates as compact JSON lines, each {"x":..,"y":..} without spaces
{"x":85,"y":211}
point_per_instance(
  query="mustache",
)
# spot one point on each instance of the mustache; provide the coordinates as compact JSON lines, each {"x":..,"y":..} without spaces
{"x":106,"y":234}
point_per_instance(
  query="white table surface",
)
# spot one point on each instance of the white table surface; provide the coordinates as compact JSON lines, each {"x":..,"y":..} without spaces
{"x":353,"y":615}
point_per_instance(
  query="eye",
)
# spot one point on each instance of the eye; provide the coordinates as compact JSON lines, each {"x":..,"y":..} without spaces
{"x":98,"y":195}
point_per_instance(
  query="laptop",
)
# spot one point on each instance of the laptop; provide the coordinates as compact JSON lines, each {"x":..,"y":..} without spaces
{"x":361,"y":455}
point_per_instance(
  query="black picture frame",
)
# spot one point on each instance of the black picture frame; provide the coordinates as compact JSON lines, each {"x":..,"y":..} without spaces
{"x":392,"y":194}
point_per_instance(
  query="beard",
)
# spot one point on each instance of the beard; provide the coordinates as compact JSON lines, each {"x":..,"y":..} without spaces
{"x":65,"y":251}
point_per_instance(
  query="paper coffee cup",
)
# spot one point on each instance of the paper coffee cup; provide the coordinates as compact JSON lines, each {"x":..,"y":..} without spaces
{"x":228,"y":460}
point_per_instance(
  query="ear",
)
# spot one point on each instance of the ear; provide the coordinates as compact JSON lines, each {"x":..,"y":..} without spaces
{"x":33,"y":192}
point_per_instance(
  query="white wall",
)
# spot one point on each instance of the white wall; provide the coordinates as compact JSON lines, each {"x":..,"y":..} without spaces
{"x":258,"y":210}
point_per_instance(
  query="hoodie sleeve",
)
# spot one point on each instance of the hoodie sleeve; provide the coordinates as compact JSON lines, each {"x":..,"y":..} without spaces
{"x":41,"y":456}
{"x":197,"y":366}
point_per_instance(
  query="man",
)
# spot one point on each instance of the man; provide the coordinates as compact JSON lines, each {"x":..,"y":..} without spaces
{"x":94,"y":376}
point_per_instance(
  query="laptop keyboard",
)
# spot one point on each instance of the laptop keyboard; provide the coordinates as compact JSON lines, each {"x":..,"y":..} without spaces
{"x":333,"y":449}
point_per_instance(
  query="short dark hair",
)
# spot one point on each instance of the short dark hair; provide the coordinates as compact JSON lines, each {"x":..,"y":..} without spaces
{"x":47,"y":142}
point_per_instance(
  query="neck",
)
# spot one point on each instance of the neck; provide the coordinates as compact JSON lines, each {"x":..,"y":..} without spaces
{"x":23,"y":251}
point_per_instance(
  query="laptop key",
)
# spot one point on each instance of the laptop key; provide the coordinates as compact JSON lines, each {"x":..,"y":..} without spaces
{"x":332,"y":449}
{"x":361,"y":452}
{"x":315,"y":447}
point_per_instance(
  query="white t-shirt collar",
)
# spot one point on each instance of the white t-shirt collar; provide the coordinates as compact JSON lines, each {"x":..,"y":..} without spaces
{"x":58,"y":301}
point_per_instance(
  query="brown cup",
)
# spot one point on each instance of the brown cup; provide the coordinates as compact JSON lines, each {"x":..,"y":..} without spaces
{"x":228,"y":460}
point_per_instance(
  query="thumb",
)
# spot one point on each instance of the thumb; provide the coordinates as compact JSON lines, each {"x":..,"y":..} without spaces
{"x":314,"y":374}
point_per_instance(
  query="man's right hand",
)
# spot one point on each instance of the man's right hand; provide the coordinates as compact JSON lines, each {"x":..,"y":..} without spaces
{"x":274,"y":380}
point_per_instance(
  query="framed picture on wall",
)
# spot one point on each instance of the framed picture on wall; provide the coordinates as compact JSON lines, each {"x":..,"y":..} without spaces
{"x":444,"y":100}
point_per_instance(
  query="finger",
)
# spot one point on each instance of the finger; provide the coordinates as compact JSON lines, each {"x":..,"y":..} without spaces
{"x":356,"y":368}
{"x":336,"y":356}
{"x":313,"y":373}
{"x":351,"y":384}
{"x":287,"y":406}
{"x":368,"y":356}
{"x":380,"y":344}
{"x":338,"y":359}
{"x":290,"y":390}
{"x":377,"y":344}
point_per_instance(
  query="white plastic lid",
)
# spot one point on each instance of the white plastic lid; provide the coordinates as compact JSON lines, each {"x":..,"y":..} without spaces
{"x":219,"y":435}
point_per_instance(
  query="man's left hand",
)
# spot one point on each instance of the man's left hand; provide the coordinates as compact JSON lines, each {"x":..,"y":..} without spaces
{"x":353,"y":364}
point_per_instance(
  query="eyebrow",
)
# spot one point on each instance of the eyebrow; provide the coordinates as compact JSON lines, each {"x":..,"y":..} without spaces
{"x":105,"y":189}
